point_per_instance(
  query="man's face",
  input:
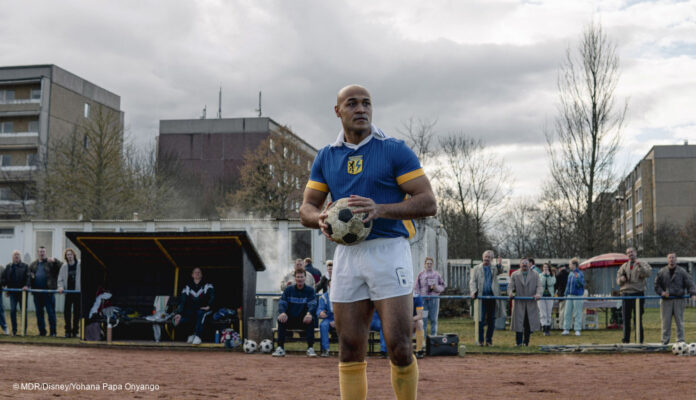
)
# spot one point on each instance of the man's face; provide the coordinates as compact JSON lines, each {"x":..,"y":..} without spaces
{"x":42,"y":254}
{"x":631,"y":253}
{"x":672,"y":260}
{"x":487,"y":257}
{"x":298,"y":264}
{"x":354,"y":108}
{"x":197,"y":275}
{"x":524,"y":264}
{"x":429,"y":265}
{"x":300,"y":280}
{"x":329,"y":269}
{"x":16,"y":258}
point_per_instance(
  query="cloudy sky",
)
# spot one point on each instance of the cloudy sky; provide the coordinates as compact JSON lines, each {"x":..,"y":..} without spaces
{"x":486,"y":68}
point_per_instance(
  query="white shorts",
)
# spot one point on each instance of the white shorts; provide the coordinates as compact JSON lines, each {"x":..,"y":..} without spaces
{"x":374,"y":269}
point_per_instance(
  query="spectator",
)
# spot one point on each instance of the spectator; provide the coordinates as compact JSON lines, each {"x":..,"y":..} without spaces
{"x":484,"y":282}
{"x":3,"y":323}
{"x":673,"y":281}
{"x":289,"y":279}
{"x":325,"y":313}
{"x":376,"y":325}
{"x":43,"y":274}
{"x":525,"y":313}
{"x":418,"y":324}
{"x":632,"y":277}
{"x":533,"y":266}
{"x":297,"y":305}
{"x":430,"y":283}
{"x":195,"y":304}
{"x":575,"y":287}
{"x":561,"y":281}
{"x":15,"y":276}
{"x":323,"y":284}
{"x":548,"y":282}
{"x":69,"y":279}
{"x":311,"y":270}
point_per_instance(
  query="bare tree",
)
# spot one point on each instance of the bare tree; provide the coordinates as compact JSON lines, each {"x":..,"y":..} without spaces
{"x":474,"y":183}
{"x":587,"y":134}
{"x":419,"y":137}
{"x":272,"y":179}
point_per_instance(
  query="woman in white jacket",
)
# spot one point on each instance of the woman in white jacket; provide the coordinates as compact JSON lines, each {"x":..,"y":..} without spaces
{"x":548,"y":281}
{"x":69,"y":279}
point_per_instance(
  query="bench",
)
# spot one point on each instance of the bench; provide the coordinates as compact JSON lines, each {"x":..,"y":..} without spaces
{"x":297,"y":335}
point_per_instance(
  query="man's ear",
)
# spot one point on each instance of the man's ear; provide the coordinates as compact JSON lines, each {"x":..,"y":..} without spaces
{"x":338,"y":114}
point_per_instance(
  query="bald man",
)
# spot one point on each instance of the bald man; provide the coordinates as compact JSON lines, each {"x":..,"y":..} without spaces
{"x":382,"y":177}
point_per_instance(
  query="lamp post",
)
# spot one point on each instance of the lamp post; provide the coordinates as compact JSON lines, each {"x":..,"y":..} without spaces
{"x":619,"y":222}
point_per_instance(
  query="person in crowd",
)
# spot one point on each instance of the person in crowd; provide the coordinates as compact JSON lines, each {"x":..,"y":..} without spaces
{"x":376,"y":325}
{"x":289,"y":278}
{"x":297,"y":305}
{"x":632,"y":277}
{"x":575,"y":287}
{"x":525,"y":313}
{"x":484,"y":282}
{"x":673,"y":283}
{"x":43,"y":274}
{"x":3,"y":323}
{"x":323,"y":284}
{"x":548,"y":283}
{"x":69,"y":279}
{"x":325,"y":313}
{"x":561,"y":281}
{"x":311,"y":270}
{"x":429,"y":283}
{"x":15,"y":276}
{"x":195,"y":304}
{"x":418,"y":325}
{"x":533,"y":266}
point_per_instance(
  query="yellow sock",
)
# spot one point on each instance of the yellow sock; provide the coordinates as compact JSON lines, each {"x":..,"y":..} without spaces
{"x":352,"y":379}
{"x":420,"y":335}
{"x":405,"y":381}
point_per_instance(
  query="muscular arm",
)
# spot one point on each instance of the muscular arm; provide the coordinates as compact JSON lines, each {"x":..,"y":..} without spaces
{"x":421,"y":202}
{"x":311,"y":208}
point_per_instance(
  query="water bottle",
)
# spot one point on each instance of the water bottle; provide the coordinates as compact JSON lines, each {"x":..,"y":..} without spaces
{"x":217,"y":336}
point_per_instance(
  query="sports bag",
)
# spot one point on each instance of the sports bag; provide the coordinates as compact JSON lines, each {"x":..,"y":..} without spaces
{"x":442,"y":345}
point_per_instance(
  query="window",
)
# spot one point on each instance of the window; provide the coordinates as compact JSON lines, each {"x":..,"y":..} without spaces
{"x":639,"y":217}
{"x":639,"y":194}
{"x":33,"y":126}
{"x":285,"y":152}
{"x":4,"y":193}
{"x":85,"y":142}
{"x":7,"y":95}
{"x":639,"y":240}
{"x":629,"y":224}
{"x":629,"y":203}
{"x":86,"y":110}
{"x":6,"y":127}
{"x":270,"y":169}
{"x":270,"y":144}
{"x":36,"y":94}
{"x":6,"y":231}
{"x":300,"y":243}
{"x":5,"y":160}
{"x":309,"y":166}
{"x":31,"y":159}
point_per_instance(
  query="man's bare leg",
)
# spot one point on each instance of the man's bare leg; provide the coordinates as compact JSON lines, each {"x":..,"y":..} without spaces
{"x":353,"y":327}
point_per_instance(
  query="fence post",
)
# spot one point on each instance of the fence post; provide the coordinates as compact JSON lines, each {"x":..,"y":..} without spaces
{"x":477,"y":319}
{"x":24,"y":312}
{"x":638,"y":318}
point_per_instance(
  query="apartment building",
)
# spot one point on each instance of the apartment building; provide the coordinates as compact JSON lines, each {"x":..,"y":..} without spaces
{"x":39,"y":103}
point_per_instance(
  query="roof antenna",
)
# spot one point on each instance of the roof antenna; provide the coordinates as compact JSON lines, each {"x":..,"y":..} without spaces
{"x":220,"y":103}
{"x":259,"y":109}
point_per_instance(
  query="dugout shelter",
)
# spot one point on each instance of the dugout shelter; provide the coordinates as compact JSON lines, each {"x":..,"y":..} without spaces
{"x":138,"y":266}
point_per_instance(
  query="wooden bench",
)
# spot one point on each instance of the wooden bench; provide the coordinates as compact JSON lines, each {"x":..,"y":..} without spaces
{"x":297,"y":335}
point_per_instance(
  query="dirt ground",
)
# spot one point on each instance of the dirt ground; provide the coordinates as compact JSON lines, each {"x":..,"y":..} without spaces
{"x":179,"y":374}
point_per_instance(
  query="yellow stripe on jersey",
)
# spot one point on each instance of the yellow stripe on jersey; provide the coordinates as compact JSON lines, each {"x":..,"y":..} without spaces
{"x":322,"y":187}
{"x":408,"y":224}
{"x":409,"y":176}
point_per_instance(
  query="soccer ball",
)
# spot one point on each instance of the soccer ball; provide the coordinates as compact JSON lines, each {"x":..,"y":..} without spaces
{"x":344,"y":227}
{"x":266,"y":346}
{"x":250,"y":346}
{"x":692,"y":349}
{"x":680,"y":349}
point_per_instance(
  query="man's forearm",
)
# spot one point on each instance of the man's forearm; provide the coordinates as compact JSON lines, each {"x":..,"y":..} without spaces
{"x":419,"y":206}
{"x":309,"y":216}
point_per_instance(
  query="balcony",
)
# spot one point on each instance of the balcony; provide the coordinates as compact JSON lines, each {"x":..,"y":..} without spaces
{"x":19,"y":140}
{"x":20,"y":101}
{"x":19,"y":173}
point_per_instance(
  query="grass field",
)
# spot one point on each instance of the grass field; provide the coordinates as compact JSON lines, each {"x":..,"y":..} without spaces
{"x":503,"y":340}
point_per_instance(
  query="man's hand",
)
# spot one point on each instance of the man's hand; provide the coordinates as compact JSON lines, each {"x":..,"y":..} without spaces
{"x":511,"y":296}
{"x":474,"y":295}
{"x":283,"y":318}
{"x":333,"y":323}
{"x":622,"y":279}
{"x":365,"y":205}
{"x":51,"y":260}
{"x":206,"y":308}
{"x":693,"y":298}
{"x":323,"y":226}
{"x":307,"y":319}
{"x":60,"y":290}
{"x":322,"y":314}
{"x":665,"y":294}
{"x":25,"y":288}
{"x":176,"y":320}
{"x":537,"y":297}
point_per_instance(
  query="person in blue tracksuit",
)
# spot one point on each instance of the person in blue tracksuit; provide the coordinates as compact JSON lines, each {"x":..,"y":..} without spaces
{"x":325,"y":313}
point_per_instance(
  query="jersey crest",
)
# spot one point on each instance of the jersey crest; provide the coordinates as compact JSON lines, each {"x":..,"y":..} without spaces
{"x":355,"y":165}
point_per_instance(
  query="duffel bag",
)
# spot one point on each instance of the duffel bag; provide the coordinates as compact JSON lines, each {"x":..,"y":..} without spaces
{"x":442,"y":345}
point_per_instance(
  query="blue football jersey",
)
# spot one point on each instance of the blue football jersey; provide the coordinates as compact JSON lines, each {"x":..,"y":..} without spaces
{"x":372,"y":169}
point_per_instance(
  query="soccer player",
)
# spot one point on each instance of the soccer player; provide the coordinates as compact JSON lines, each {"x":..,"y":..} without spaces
{"x":382,"y":177}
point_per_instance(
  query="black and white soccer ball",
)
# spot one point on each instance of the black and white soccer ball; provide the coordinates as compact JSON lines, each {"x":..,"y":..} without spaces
{"x":692,"y":349}
{"x":680,"y":349}
{"x":266,"y":346}
{"x":344,"y":226}
{"x":250,"y":346}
